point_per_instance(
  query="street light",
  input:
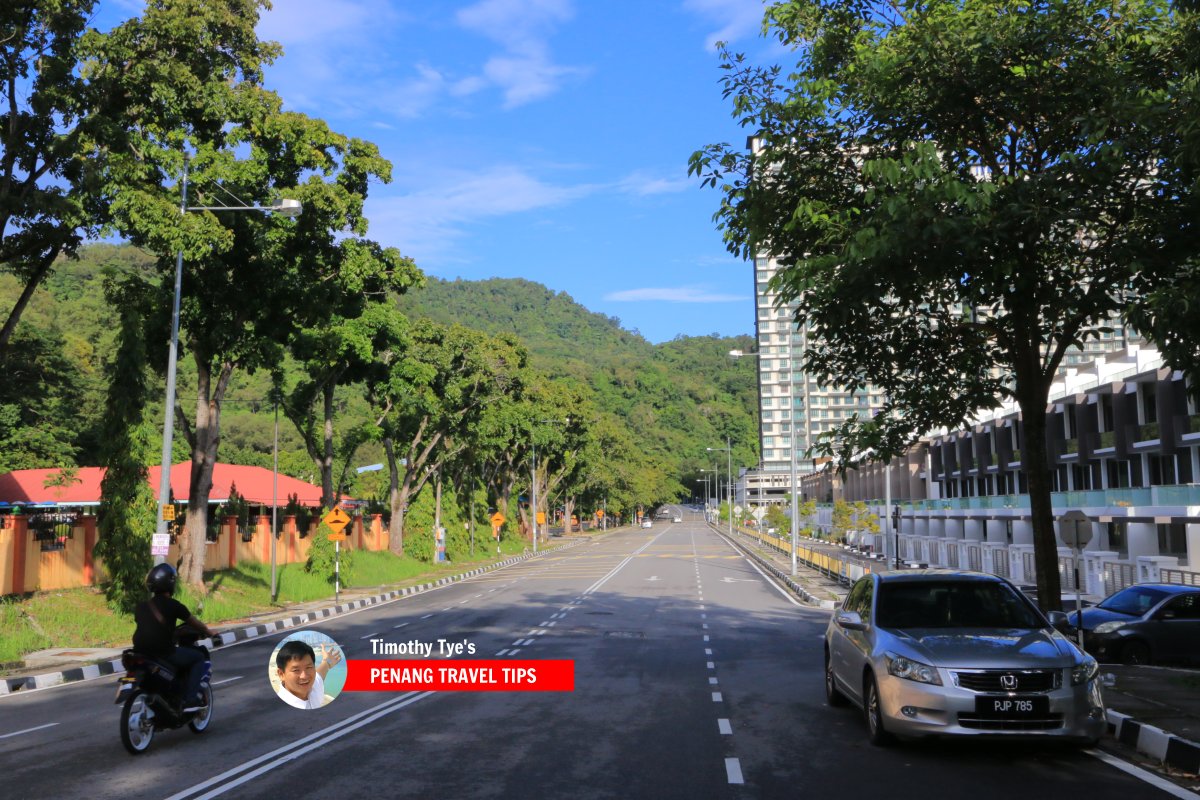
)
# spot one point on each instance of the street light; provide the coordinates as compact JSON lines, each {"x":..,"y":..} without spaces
{"x":286,"y":207}
{"x":793,"y":489}
{"x":728,"y":448}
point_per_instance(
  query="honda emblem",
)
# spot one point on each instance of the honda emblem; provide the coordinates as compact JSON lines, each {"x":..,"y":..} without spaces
{"x":1009,"y":682}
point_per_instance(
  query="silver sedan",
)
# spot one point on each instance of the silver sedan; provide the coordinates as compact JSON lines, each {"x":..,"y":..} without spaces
{"x":943,"y":652}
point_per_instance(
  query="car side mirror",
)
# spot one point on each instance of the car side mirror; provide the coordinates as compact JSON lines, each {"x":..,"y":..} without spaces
{"x":850,"y":620}
{"x":1059,"y":619}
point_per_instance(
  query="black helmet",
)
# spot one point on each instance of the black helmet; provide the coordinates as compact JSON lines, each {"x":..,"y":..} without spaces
{"x":161,"y":578}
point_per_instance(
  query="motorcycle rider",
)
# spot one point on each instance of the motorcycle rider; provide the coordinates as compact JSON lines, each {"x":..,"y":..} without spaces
{"x":155,"y":632}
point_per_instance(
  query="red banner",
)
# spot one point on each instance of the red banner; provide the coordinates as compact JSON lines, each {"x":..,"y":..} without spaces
{"x":391,"y":675}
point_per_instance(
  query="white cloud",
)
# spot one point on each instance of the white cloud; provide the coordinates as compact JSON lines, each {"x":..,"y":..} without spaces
{"x":678,"y":294}
{"x":641,"y":184}
{"x":428,"y":223}
{"x":295,"y":22}
{"x":735,"y":18}
{"x":525,"y":70}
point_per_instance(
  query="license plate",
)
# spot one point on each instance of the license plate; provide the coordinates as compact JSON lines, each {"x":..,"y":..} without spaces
{"x":1012,"y":707}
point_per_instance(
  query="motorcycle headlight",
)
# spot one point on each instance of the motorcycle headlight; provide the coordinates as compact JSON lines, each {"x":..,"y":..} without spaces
{"x":1109,"y":627}
{"x":1084,"y":671}
{"x":911,"y":670}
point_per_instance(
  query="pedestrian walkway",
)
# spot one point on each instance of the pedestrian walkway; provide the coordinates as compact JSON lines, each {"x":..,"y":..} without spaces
{"x":1154,"y":711}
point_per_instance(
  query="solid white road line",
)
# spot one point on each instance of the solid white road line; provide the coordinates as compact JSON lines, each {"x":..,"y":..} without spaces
{"x":29,"y":730}
{"x":1148,"y":777}
{"x":228,"y":680}
{"x":724,"y":727}
{"x":733,"y":768}
{"x":313,"y":740}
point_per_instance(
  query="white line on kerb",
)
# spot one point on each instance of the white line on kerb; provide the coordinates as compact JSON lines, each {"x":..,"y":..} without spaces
{"x":228,"y":680}
{"x":724,"y":727}
{"x":29,"y":730}
{"x":733,"y":768}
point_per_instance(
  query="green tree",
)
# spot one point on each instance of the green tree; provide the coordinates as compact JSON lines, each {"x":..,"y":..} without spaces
{"x":128,"y":508}
{"x":434,"y":394}
{"x":251,"y":281}
{"x":778,"y":519}
{"x":47,"y":201}
{"x":949,"y":201}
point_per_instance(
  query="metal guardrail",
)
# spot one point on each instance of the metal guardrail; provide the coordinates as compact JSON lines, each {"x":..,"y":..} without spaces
{"x":831,"y":565}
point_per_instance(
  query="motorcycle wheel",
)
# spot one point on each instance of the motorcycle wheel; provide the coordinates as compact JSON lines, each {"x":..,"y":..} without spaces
{"x":199,"y":722}
{"x":137,"y":723}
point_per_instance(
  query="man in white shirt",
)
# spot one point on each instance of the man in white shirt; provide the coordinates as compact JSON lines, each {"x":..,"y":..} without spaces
{"x":302,"y":681}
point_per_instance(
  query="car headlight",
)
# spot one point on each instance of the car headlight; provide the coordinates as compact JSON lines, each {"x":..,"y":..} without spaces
{"x":1084,"y":671}
{"x":1109,"y":627}
{"x":911,"y":670}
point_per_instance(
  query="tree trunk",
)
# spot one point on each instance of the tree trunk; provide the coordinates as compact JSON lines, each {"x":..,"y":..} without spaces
{"x":1036,"y":464}
{"x":568,"y":510}
{"x":205,"y":438}
{"x":328,"y":498}
{"x":35,"y":280}
{"x":396,"y":524}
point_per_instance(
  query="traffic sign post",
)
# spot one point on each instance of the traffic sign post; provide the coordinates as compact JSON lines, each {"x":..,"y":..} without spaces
{"x":1075,"y":530}
{"x":337,"y":521}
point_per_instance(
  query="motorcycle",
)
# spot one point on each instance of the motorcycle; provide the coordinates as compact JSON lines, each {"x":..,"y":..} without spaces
{"x":152,"y":695}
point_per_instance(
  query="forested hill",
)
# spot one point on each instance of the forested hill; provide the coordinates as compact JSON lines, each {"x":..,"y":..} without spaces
{"x":671,"y":401}
{"x":676,"y":398}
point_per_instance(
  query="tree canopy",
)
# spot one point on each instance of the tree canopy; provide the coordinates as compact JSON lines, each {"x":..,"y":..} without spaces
{"x":958,"y":192}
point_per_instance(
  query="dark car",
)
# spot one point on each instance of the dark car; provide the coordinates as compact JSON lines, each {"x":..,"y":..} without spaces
{"x":1143,"y":624}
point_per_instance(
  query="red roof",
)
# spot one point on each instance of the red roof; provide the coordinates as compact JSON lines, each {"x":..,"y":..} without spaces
{"x":28,"y":486}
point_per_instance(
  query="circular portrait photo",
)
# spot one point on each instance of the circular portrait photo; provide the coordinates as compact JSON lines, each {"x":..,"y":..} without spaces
{"x":307,"y":669}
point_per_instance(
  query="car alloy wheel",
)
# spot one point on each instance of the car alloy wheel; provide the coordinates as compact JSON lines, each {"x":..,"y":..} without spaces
{"x":875,"y":730}
{"x":832,"y":696}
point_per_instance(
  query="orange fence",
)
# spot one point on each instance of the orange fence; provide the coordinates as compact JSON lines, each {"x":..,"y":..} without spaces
{"x":26,"y":566}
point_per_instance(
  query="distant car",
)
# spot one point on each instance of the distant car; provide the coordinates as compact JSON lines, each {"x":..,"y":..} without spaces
{"x":677,"y":519}
{"x":944,"y":652}
{"x":646,"y":523}
{"x":1143,"y":624}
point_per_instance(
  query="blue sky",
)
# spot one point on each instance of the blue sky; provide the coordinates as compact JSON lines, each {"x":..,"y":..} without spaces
{"x":543,"y":139}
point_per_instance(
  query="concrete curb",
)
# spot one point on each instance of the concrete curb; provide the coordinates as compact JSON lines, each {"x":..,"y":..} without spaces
{"x":784,"y":577}
{"x":1173,"y":751}
{"x":14,"y":685}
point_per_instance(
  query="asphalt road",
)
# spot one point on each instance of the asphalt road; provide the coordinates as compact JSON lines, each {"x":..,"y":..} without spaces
{"x":694,"y":678}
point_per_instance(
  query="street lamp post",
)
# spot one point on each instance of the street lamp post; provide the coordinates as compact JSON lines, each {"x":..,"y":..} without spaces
{"x":728,"y":448}
{"x":286,"y":207}
{"x":793,"y":489}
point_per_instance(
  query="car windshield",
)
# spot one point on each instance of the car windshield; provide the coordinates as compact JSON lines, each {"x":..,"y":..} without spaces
{"x":952,"y":604}
{"x":1134,"y":601}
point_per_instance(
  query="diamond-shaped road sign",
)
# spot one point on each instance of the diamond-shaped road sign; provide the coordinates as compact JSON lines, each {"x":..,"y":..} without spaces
{"x":337,"y":520}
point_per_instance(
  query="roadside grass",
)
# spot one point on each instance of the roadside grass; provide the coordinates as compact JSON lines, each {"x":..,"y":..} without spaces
{"x":81,"y":618}
{"x":63,"y":618}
